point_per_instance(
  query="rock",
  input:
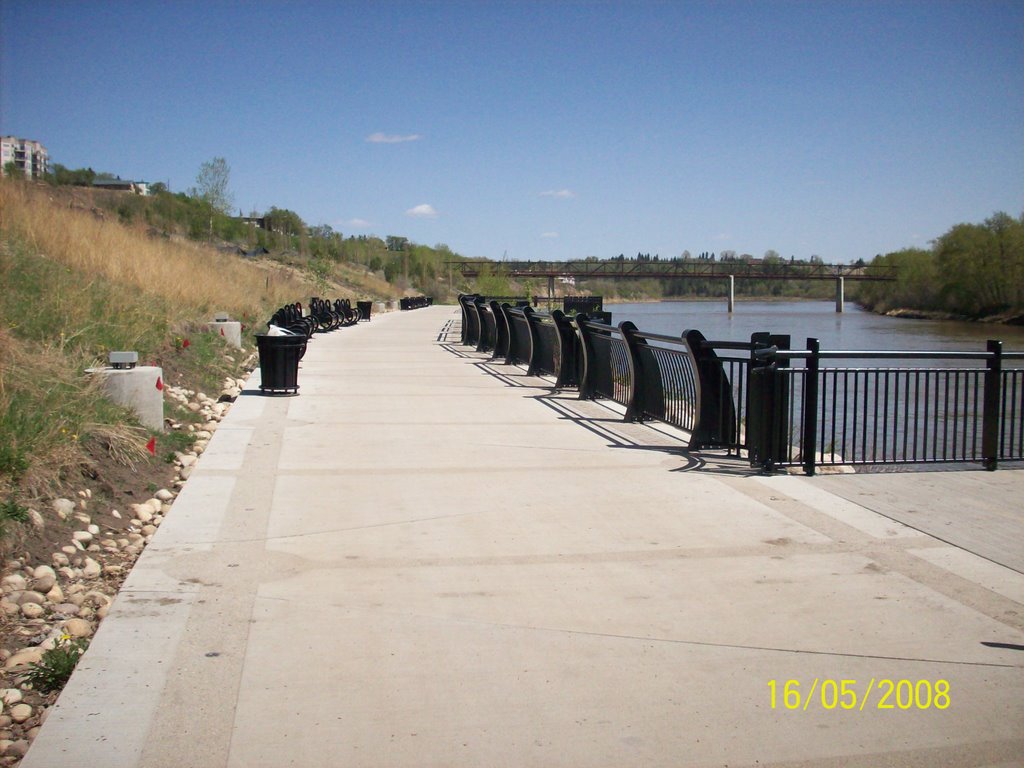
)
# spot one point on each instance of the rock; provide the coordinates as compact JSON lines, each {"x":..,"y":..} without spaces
{"x":24,"y":656}
{"x":78,"y":628}
{"x":55,"y":595}
{"x":10,"y":696}
{"x":43,"y":570}
{"x":18,"y":748}
{"x":36,"y":519}
{"x":113,"y":570}
{"x":186,"y":459}
{"x":32,"y":610}
{"x":91,"y":569}
{"x":93,"y":529}
{"x":13,"y":583}
{"x":83,"y":537}
{"x":9,"y":608}
{"x":21,"y":712}
{"x":83,"y":518}
{"x":44,"y":583}
{"x":164,"y":495}
{"x":143,"y":513}
{"x":115,"y":513}
{"x":30,"y":596}
{"x":96,"y":598}
{"x":185,"y":473}
{"x":148,"y":530}
{"x":64,"y":508}
{"x":60,"y":559}
{"x":66,"y":609}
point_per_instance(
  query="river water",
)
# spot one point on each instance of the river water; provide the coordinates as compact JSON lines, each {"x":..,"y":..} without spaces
{"x":849,"y":330}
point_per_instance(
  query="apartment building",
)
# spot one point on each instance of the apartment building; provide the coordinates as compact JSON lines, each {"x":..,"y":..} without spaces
{"x":28,"y":156}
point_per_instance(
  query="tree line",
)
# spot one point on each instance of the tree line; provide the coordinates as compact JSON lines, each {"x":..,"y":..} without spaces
{"x":973,"y":270}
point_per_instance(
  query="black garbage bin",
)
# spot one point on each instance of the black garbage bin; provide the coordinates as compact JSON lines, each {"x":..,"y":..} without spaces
{"x":279,"y":362}
{"x":364,"y":308}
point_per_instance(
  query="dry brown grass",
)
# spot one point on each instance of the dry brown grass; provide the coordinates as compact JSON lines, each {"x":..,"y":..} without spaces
{"x":192,"y":277}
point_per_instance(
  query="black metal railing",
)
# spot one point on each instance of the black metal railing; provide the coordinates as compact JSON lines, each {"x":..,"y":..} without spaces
{"x":782,"y":407}
{"x":607,"y":369}
{"x":582,"y":304}
{"x":520,"y":334}
{"x":961,"y":407}
{"x":472,"y":323}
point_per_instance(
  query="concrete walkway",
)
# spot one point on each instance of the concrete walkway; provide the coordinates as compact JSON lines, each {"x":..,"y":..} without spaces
{"x":422,"y":560}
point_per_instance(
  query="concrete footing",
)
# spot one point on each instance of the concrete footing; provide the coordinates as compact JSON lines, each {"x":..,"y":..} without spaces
{"x":230,"y":330}
{"x":140,"y":389}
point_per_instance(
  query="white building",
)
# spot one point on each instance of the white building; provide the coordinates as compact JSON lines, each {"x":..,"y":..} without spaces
{"x":28,"y":156}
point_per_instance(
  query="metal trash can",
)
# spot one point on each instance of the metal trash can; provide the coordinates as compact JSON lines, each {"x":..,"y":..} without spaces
{"x":279,"y":362}
{"x":364,"y":308}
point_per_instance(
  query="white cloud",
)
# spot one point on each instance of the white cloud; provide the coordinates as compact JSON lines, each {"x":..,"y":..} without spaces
{"x":549,"y":235}
{"x":422,"y":211}
{"x":564,"y":194}
{"x":391,"y":138}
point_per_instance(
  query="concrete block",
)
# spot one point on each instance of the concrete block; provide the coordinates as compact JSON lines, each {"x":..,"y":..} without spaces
{"x":231,"y":330}
{"x":141,"y":389}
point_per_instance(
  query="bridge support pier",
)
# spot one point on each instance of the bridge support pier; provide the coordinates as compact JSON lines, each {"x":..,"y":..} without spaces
{"x":551,"y":292}
{"x":840,"y":290}
{"x":732,"y":293}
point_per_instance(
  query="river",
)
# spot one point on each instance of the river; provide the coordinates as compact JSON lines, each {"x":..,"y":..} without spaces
{"x":852,"y":329}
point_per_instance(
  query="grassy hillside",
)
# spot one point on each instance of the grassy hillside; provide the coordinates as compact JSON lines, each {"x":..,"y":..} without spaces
{"x":77,"y":285}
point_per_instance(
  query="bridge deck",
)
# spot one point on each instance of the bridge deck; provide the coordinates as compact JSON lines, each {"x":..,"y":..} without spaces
{"x":415,"y":563}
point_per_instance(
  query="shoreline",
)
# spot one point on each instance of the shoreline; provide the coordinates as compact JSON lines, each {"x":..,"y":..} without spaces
{"x":1006,"y":318}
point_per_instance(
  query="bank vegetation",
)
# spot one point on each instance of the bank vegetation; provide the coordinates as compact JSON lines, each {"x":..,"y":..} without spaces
{"x":973,"y":271}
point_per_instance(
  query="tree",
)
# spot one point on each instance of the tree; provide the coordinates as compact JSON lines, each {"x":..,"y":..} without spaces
{"x":212,"y":184}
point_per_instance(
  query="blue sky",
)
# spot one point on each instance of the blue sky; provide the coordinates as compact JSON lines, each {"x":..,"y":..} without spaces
{"x":547,"y":130}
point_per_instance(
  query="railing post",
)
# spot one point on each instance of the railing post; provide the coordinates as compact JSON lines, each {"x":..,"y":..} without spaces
{"x":758,"y":405}
{"x":531,"y":324}
{"x":634,"y":405}
{"x":716,"y":415}
{"x":767,"y":417}
{"x":990,"y":420}
{"x":809,"y":417}
{"x":500,"y":330}
{"x":587,"y":353}
{"x":566,"y":375}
